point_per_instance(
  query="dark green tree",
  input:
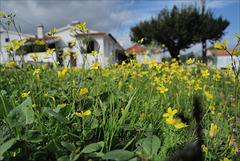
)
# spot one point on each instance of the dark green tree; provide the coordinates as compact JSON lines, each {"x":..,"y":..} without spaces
{"x":178,"y":29}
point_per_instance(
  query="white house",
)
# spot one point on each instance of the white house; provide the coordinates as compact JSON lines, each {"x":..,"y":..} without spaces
{"x":222,"y":58}
{"x":144,"y":54}
{"x":6,"y":36}
{"x":105,"y":45}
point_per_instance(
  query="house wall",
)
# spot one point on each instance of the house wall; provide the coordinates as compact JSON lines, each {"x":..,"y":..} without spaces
{"x":98,"y":46}
{"x":225,"y":60}
{"x":150,"y":57}
{"x":28,"y":59}
{"x":4,"y":56}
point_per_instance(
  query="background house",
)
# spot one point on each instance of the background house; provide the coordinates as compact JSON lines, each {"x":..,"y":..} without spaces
{"x":105,"y":45}
{"x":221,"y":58}
{"x":6,"y":36}
{"x":143,"y":53}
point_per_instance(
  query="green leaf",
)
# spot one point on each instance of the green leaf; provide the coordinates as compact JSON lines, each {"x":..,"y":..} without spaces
{"x":119,"y":155}
{"x":63,"y":158}
{"x":5,"y":146}
{"x":69,"y":146}
{"x":57,"y":116}
{"x":93,"y":147}
{"x":96,"y":154}
{"x":151,"y":145}
{"x":22,"y":114}
{"x":94,"y":124}
{"x":127,"y":127}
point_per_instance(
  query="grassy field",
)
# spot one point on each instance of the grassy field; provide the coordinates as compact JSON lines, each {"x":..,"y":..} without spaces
{"x":148,"y":109}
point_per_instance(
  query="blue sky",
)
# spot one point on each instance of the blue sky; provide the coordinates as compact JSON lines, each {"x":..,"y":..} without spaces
{"x":113,"y":16}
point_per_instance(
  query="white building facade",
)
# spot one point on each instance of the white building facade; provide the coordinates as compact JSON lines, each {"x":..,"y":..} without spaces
{"x":104,"y":45}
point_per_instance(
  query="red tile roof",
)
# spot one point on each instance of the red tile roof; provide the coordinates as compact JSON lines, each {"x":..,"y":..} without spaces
{"x":136,"y":48}
{"x":44,"y":38}
{"x":222,"y":52}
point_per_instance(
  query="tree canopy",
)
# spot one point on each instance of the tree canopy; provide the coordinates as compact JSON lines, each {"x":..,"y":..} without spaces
{"x":179,"y":29}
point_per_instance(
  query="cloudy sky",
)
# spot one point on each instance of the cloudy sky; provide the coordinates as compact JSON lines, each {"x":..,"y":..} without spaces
{"x":113,"y":16}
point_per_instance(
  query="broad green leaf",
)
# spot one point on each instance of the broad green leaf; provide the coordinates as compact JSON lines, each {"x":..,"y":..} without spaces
{"x":151,"y":145}
{"x":70,"y":146}
{"x":57,"y":116}
{"x":119,"y":155}
{"x":5,"y":146}
{"x":96,"y":154}
{"x":93,"y":147}
{"x":22,"y":114}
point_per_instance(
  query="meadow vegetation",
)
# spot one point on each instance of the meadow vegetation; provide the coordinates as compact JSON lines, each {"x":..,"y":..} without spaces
{"x":128,"y":111}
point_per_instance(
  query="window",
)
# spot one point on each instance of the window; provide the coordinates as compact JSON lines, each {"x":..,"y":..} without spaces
{"x":7,"y":40}
{"x":90,"y":46}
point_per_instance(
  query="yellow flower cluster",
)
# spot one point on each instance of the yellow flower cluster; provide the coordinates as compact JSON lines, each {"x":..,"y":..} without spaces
{"x":171,"y":121}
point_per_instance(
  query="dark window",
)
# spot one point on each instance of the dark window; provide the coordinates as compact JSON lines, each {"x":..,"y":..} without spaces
{"x":73,"y":61}
{"x":7,"y":40}
{"x":90,"y":46}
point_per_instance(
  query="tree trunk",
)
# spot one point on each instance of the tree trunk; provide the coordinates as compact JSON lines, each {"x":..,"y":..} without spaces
{"x":204,"y":51}
{"x":174,"y":54}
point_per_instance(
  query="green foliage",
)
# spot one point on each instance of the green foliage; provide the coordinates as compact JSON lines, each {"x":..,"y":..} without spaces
{"x":21,"y":115}
{"x":179,"y":28}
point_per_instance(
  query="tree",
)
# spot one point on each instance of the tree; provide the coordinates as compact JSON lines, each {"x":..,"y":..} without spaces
{"x":179,"y":29}
{"x":210,"y":29}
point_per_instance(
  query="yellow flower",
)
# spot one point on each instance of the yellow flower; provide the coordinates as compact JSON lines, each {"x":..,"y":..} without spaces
{"x":33,"y":105}
{"x":221,"y":46}
{"x":213,"y":130}
{"x":63,"y":105}
{"x":163,"y":45}
{"x":95,"y":66}
{"x":226,"y":159}
{"x":25,"y":94}
{"x":180,"y":125}
{"x":205,"y":73}
{"x":122,"y":111}
{"x":46,"y":94}
{"x":38,"y":77}
{"x":44,"y":66}
{"x":88,"y":112}
{"x":52,"y":98}
{"x":162,"y":89}
{"x":208,"y":94}
{"x":74,"y":82}
{"x":36,"y":71}
{"x":152,"y":63}
{"x":12,"y":64}
{"x":50,"y":51}
{"x":230,"y":139}
{"x":234,"y":151}
{"x":61,"y":74}
{"x":170,"y":113}
{"x":74,"y":55}
{"x":204,"y":148}
{"x":171,"y":121}
{"x":83,"y":91}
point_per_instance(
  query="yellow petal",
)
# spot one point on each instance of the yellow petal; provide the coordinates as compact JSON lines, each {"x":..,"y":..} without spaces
{"x":218,"y":46}
{"x":224,"y":43}
{"x":78,"y":114}
{"x":88,"y":112}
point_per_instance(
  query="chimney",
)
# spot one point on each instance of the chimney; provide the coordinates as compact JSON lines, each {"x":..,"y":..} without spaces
{"x":75,"y":22}
{"x":40,"y":31}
